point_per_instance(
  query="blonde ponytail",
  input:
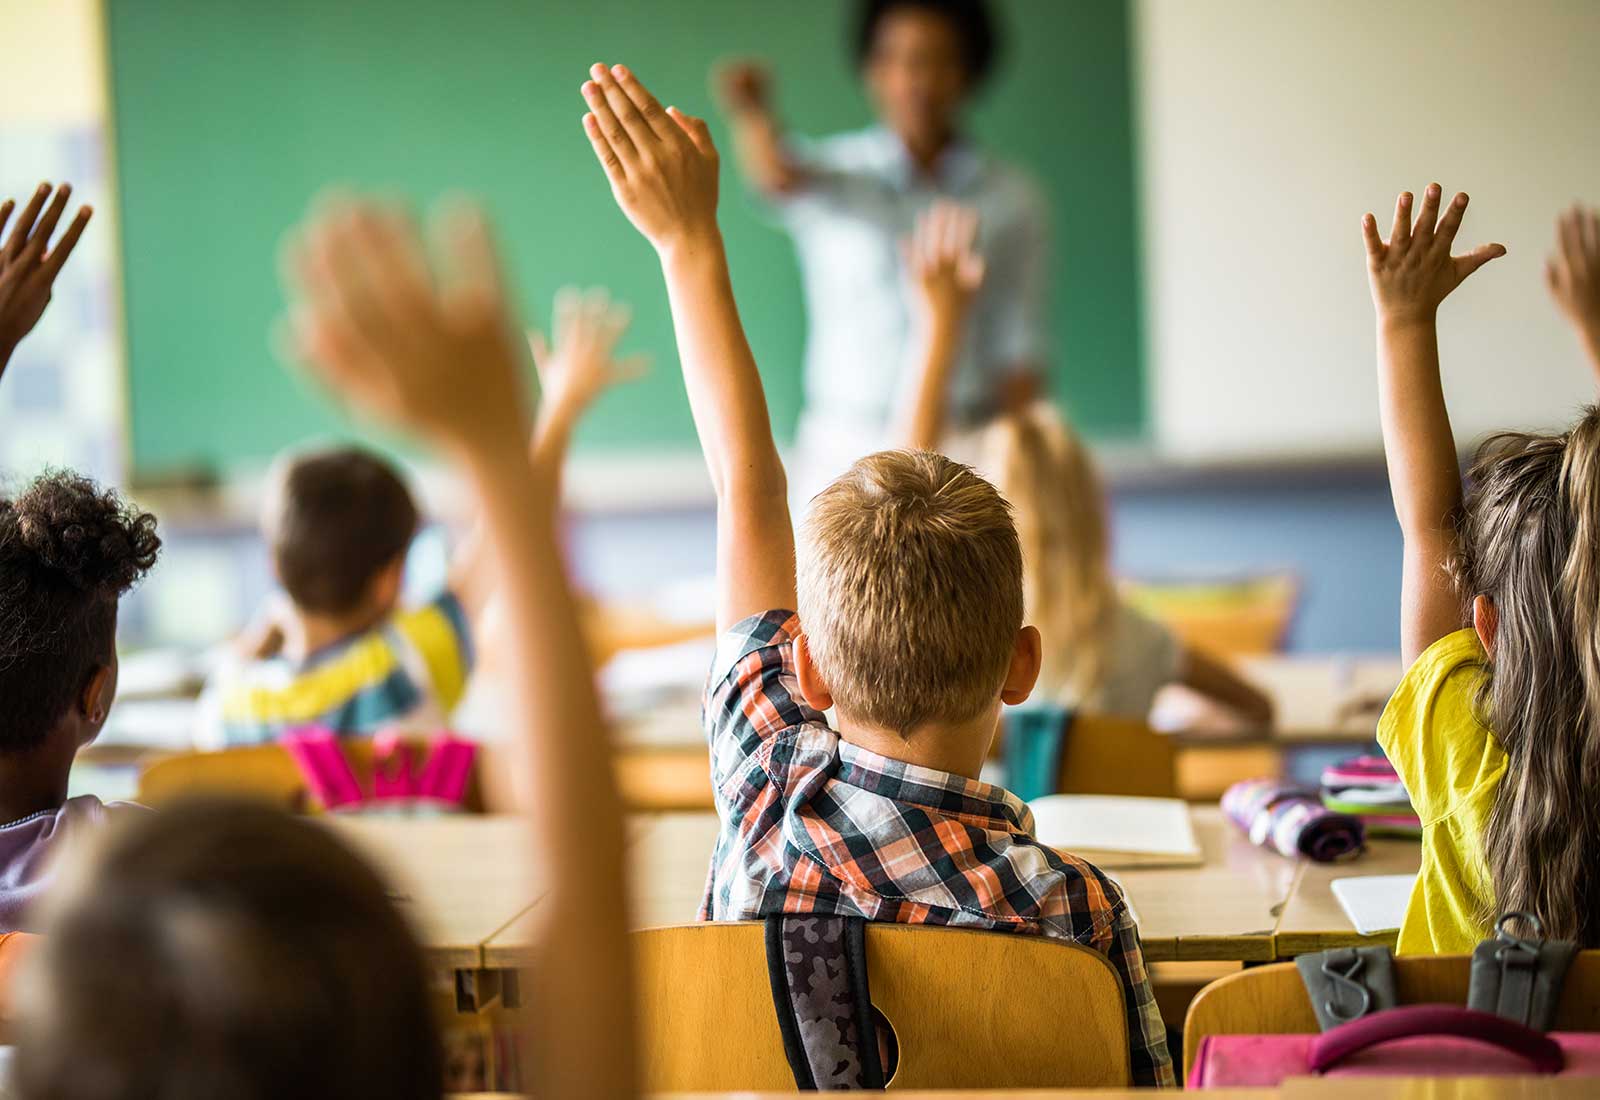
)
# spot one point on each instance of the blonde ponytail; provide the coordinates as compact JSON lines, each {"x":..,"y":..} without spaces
{"x":1045,"y":471}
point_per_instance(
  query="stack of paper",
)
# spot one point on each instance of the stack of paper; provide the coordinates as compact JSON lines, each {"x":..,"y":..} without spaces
{"x":1118,"y":832}
{"x":1374,"y":903}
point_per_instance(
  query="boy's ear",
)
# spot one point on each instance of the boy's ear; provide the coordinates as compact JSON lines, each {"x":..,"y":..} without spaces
{"x":387,"y":582}
{"x":1486,"y":621}
{"x":94,"y":702}
{"x":1026,"y":656}
{"x":812,"y":686}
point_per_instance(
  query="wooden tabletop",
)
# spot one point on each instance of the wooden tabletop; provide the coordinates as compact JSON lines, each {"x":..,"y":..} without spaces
{"x":1316,"y":698}
{"x":1223,"y":910}
{"x":1314,"y":921}
{"x":461,"y":879}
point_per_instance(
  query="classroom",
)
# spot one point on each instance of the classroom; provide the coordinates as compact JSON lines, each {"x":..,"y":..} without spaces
{"x":716,"y":549}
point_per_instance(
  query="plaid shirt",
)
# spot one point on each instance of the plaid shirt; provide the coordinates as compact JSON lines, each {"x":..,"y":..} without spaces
{"x":812,"y":823}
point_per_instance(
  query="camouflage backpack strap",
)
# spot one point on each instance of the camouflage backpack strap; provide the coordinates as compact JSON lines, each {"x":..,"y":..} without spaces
{"x":818,"y":969}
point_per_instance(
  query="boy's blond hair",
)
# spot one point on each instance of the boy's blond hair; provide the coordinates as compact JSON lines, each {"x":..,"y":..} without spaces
{"x":910,"y":588}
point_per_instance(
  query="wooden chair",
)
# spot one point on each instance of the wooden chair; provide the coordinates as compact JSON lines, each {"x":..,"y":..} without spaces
{"x":1118,"y":756}
{"x":1270,"y":1000}
{"x":969,"y":1010}
{"x":266,"y":772}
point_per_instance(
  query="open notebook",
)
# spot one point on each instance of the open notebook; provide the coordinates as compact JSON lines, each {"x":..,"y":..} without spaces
{"x":1374,"y":903}
{"x":1118,"y":832}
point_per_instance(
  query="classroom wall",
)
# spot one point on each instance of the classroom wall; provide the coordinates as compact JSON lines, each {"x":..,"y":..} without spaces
{"x":1268,"y":127}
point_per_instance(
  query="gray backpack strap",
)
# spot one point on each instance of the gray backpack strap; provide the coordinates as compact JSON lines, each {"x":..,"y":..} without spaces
{"x":1518,"y":978}
{"x":817,"y":967}
{"x":1348,"y":983}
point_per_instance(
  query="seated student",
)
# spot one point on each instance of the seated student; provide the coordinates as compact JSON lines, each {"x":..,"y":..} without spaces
{"x":1495,"y":725}
{"x":909,"y":623}
{"x":342,"y":653}
{"x":1099,"y":654}
{"x":68,"y":552}
{"x":233,"y":953}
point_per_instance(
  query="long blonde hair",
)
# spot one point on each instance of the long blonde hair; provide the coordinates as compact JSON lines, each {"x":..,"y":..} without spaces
{"x":1046,"y":473}
{"x":1529,"y":539}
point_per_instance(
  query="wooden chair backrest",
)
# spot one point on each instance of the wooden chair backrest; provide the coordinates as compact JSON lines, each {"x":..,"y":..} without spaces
{"x":1118,"y":756}
{"x":1271,"y":1000}
{"x":265,"y":772}
{"x":969,"y":1009}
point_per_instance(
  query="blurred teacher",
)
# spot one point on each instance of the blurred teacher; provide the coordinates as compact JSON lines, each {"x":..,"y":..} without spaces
{"x":850,"y":200}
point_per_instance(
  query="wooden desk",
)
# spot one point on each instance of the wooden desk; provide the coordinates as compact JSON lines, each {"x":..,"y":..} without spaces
{"x":1224,"y":910}
{"x":1314,"y":921}
{"x":1318,"y":698}
{"x":462,"y":879}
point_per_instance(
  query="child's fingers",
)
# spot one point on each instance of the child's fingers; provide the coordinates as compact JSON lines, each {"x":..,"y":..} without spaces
{"x":565,"y":313}
{"x":343,"y":300}
{"x":618,"y":316}
{"x":1589,"y":231}
{"x":1570,"y":237}
{"x":539,"y":348}
{"x":649,"y":108}
{"x":40,"y":237}
{"x":1466,"y":265}
{"x":627,"y":113}
{"x":471,"y":261}
{"x":19,"y":231}
{"x":615,"y":172}
{"x":396,"y":291}
{"x":594,"y":92}
{"x":5,"y":214}
{"x":1451,"y":222}
{"x":1427,"y":216}
{"x":1400,"y":231}
{"x":1369,"y":235}
{"x":69,"y":240}
{"x":630,"y":369}
{"x":696,"y":129}
{"x":1552,"y":276}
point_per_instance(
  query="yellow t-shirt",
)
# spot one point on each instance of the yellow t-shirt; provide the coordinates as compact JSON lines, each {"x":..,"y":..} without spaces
{"x":1451,"y":765}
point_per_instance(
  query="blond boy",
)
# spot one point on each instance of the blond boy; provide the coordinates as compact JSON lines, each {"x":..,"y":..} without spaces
{"x":910,"y":592}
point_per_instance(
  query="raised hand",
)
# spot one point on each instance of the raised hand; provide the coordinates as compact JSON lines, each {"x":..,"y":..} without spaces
{"x":28,"y":266}
{"x":437,"y":355}
{"x":945,"y":265}
{"x":582,"y":364}
{"x":1573,"y":272}
{"x":661,"y":163}
{"x":743,"y":85}
{"x":1414,"y":271}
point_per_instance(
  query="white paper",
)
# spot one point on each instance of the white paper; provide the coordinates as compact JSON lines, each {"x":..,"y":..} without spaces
{"x":1081,"y":823}
{"x":1374,"y":903}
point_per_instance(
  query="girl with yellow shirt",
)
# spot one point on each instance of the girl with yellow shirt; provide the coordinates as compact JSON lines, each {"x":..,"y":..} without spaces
{"x":1496,"y":727}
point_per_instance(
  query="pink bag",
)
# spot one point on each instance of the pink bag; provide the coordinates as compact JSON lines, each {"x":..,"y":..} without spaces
{"x":1411,"y":1041}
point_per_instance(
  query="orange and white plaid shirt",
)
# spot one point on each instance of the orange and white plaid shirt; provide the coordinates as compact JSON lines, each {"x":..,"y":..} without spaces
{"x":814,"y":824}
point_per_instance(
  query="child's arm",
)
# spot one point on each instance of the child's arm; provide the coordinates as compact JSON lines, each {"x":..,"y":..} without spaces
{"x":572,"y":374}
{"x":663,"y":173}
{"x":444,"y":362}
{"x":947,"y":273}
{"x":1573,"y":275}
{"x":1218,"y":682}
{"x":579,"y":367}
{"x":27,"y":271}
{"x":746,"y":93}
{"x":1410,"y":275}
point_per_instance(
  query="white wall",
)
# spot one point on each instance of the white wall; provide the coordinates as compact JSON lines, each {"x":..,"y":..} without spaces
{"x":1268,"y":127}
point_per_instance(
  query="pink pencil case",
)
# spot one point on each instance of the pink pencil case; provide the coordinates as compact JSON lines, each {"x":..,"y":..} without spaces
{"x":1411,"y":1041}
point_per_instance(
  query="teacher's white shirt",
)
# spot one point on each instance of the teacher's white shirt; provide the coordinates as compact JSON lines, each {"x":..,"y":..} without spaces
{"x":859,"y":203}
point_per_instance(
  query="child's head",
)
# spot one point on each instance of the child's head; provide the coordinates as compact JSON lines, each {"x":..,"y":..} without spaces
{"x":921,"y":60}
{"x":1046,"y":473}
{"x":910,"y":589}
{"x":339,"y":523}
{"x":68,"y":551}
{"x":1529,"y":560}
{"x":221,"y":949}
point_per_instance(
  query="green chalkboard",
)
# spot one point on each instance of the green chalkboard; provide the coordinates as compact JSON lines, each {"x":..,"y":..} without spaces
{"x":230,"y":114}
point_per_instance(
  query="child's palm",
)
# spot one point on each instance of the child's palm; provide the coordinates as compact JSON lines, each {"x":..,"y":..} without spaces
{"x":1413,"y":271}
{"x":583,"y":362}
{"x":434,"y":356}
{"x":943,"y":257}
